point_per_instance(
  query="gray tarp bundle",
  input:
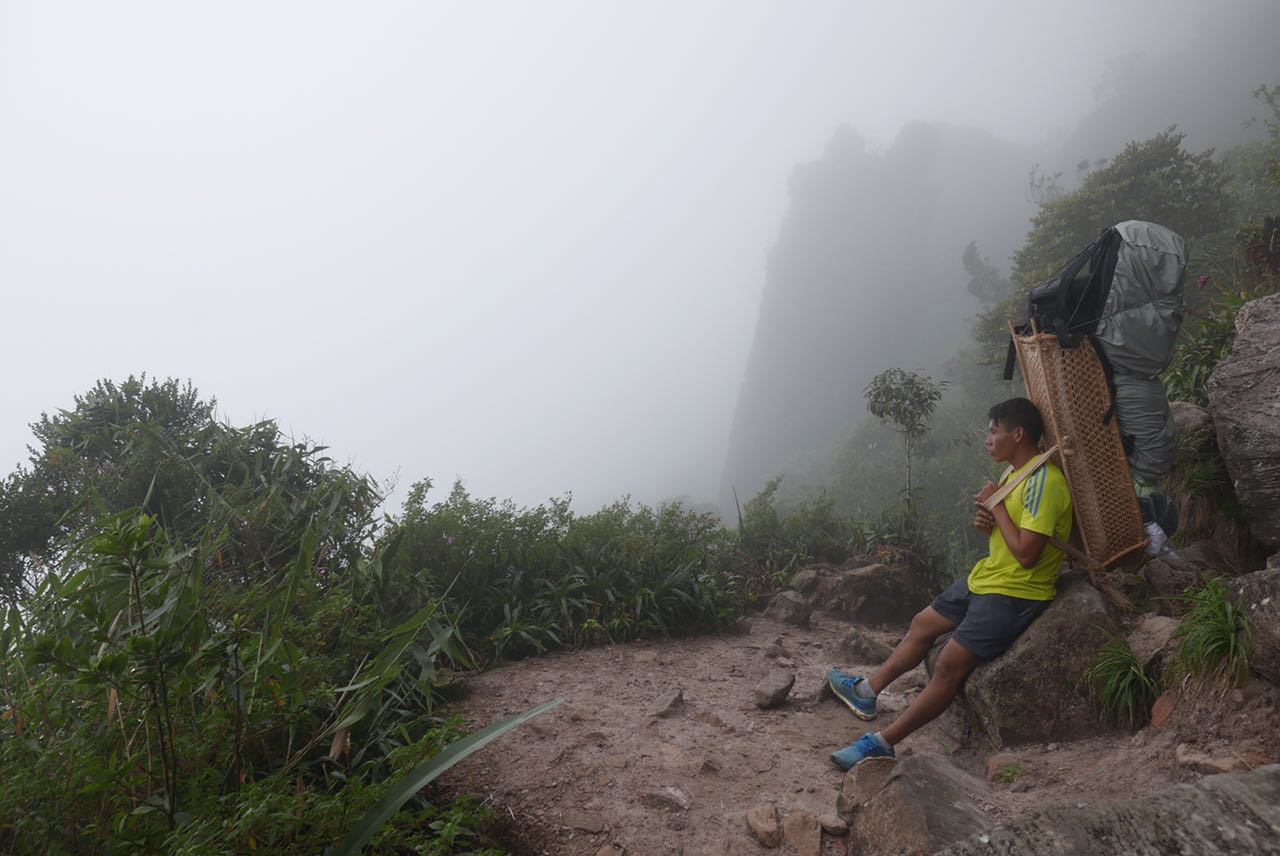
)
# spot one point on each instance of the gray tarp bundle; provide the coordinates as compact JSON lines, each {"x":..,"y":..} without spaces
{"x":1137,"y":331}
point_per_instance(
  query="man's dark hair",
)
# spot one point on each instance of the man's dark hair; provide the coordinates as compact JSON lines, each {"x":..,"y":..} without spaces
{"x":1019,"y":413}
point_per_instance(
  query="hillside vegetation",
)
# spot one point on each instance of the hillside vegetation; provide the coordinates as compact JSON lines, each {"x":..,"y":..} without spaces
{"x":213,"y":640}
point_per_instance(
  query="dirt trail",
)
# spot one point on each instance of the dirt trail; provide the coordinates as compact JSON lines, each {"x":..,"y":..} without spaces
{"x":594,"y":772}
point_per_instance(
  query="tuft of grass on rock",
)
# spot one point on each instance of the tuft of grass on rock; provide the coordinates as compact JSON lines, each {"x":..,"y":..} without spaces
{"x":1216,"y":636}
{"x":1009,"y":773}
{"x":1124,"y":689}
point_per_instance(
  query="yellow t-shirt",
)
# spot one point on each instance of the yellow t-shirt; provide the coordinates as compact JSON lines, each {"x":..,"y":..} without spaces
{"x":1042,"y":503}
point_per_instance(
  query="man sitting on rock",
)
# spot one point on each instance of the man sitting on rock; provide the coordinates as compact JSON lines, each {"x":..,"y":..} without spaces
{"x":1003,"y":594}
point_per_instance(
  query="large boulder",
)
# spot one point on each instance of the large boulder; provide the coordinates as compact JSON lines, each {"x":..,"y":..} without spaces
{"x":1259,"y":596}
{"x":1244,"y":398}
{"x":875,"y":594}
{"x":1217,"y":816}
{"x":915,"y":805}
{"x":1034,"y":692}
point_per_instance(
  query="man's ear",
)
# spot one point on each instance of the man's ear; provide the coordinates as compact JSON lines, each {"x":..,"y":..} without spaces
{"x":1019,"y":434}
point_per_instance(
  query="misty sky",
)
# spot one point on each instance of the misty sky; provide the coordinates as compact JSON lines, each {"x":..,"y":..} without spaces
{"x":518,"y":243}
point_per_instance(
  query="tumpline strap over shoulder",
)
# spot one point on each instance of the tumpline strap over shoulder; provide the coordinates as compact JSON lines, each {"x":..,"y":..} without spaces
{"x":1011,"y":485}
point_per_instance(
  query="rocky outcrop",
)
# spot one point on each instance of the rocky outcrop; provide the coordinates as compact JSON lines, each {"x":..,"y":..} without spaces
{"x":805,"y":579}
{"x":1190,"y":418}
{"x":1259,"y":596}
{"x":1171,"y":575}
{"x":1034,"y":692}
{"x":1244,"y":398}
{"x":1204,"y":556}
{"x":1217,"y":816}
{"x":789,"y":607}
{"x":855,"y":647}
{"x":1169,"y":578}
{"x":884,"y":595}
{"x":915,"y":805}
{"x":1151,"y":640}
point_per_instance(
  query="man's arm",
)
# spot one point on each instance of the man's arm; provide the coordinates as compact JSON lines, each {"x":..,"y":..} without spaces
{"x":1025,"y":545}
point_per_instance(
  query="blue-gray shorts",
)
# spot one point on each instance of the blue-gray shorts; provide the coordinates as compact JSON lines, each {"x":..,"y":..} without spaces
{"x":987,"y":623}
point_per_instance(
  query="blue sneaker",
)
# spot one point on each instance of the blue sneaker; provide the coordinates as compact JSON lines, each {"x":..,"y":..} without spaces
{"x":868,"y":746}
{"x":843,"y":686}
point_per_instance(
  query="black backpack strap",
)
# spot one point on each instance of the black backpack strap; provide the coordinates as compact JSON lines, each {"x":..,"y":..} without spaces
{"x":1109,"y":373}
{"x":1061,"y":324}
{"x":1106,"y":247}
{"x":1010,"y":359}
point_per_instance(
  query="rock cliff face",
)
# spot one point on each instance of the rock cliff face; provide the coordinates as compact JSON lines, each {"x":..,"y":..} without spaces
{"x":866,"y":275}
{"x":1244,"y":397}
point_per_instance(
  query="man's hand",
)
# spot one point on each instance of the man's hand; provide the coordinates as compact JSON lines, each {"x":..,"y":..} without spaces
{"x":984,"y":521}
{"x":987,"y":490}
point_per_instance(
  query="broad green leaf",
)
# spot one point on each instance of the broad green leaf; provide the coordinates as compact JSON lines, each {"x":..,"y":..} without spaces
{"x":420,"y":776}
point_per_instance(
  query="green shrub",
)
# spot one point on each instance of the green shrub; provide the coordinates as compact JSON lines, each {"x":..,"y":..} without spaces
{"x":781,"y":535}
{"x":1205,"y":343}
{"x":1216,"y":636}
{"x":520,"y":581}
{"x":1124,"y":689}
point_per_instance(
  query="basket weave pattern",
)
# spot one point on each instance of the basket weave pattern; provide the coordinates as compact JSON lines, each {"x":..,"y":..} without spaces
{"x":1070,"y":388}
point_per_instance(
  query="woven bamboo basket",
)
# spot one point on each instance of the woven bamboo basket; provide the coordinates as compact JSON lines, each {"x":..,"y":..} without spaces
{"x":1070,"y":388}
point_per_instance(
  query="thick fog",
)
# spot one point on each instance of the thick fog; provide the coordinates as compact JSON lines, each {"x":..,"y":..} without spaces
{"x":522,"y":244}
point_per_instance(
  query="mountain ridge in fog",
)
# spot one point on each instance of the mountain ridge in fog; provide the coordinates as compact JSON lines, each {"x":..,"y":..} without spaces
{"x":866,"y":272}
{"x":866,"y":275}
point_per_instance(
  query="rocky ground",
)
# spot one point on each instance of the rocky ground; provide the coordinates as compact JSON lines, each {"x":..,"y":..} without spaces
{"x":661,"y":748}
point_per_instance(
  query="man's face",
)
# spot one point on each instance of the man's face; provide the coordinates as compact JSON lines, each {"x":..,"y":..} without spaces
{"x":1002,"y":441}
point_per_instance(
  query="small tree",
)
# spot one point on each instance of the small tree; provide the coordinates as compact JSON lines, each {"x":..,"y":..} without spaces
{"x":905,"y":401}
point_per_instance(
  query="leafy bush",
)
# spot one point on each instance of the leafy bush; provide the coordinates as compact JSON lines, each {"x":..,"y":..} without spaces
{"x":211,"y":669}
{"x":1216,"y":636}
{"x":1124,"y":689}
{"x":782,"y":536}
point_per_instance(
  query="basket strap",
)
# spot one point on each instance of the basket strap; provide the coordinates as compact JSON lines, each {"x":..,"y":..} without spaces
{"x":1090,"y":564}
{"x":1076,"y":553}
{"x":1010,"y":486}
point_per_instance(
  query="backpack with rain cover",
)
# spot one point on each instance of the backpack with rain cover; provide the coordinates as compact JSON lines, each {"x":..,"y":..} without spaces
{"x":1124,"y":293}
{"x":1070,"y":303}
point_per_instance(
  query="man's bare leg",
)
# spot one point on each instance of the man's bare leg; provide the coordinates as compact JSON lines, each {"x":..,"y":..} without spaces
{"x":953,"y":666}
{"x":925,"y":628}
